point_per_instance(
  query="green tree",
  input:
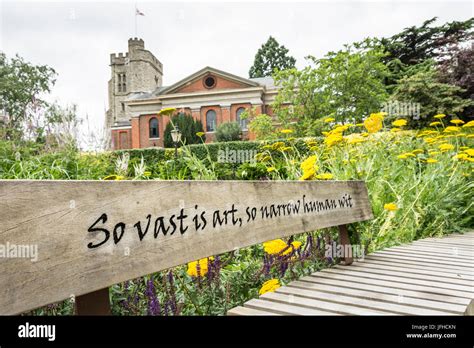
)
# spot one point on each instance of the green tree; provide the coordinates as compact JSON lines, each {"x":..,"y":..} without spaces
{"x":228,"y":131}
{"x":271,"y":57}
{"x":421,"y":85}
{"x":346,"y":85}
{"x":416,"y":44}
{"x":459,"y":71}
{"x":21,"y":87}
{"x":188,"y":128}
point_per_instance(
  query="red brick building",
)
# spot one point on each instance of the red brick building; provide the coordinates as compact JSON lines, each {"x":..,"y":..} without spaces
{"x":209,"y":95}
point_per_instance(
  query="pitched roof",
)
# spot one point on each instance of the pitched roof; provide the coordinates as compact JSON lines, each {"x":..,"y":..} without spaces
{"x":207,"y":70}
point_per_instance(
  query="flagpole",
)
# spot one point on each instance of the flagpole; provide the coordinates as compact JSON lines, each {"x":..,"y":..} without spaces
{"x":136,"y":20}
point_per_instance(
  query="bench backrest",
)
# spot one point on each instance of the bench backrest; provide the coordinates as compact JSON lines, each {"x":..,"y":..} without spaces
{"x":92,"y":234}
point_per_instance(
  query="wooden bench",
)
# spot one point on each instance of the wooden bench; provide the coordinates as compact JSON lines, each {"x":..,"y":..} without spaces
{"x":90,"y":235}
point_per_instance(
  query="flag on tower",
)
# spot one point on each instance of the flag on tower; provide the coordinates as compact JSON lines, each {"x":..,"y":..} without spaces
{"x":138,"y":13}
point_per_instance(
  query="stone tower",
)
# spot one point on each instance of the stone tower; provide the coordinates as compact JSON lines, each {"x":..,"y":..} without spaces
{"x":138,"y":70}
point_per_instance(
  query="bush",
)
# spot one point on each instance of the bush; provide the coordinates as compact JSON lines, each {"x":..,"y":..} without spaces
{"x":229,"y":131}
{"x":188,"y":128}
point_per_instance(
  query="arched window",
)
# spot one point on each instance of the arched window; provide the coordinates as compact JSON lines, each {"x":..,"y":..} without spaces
{"x":154,"y":128}
{"x":210,"y":121}
{"x":242,"y":123}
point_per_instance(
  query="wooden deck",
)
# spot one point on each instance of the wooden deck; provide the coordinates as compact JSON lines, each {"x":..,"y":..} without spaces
{"x":433,"y":276}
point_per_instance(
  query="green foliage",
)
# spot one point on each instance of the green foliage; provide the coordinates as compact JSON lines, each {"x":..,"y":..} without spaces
{"x":262,"y":126}
{"x":271,"y":57}
{"x":346,"y":85}
{"x":188,"y":128}
{"x":22,"y":84}
{"x":416,"y":44}
{"x":421,"y":85}
{"x":228,"y":131}
{"x":459,"y":71}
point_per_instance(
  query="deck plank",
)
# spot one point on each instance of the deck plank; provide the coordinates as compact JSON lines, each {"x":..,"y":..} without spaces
{"x":432,"y":276}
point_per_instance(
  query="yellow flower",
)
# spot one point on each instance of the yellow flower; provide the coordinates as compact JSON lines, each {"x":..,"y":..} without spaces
{"x":446,"y":147}
{"x":329,"y":119}
{"x":269,"y":286}
{"x":309,"y":168}
{"x":406,"y":155}
{"x":270,"y":169}
{"x":436,"y":123}
{"x":461,"y":156}
{"x":374,"y":122}
{"x":147,"y":173}
{"x":200,"y":134}
{"x":439,"y":116}
{"x":114,"y":177}
{"x":399,"y":123}
{"x":286,"y":131}
{"x":167,"y":111}
{"x":457,"y":121}
{"x":324,"y":176}
{"x":340,"y":129}
{"x":199,"y":268}
{"x":431,"y":160}
{"x":417,"y":151}
{"x":359,"y":125}
{"x":470,"y":152}
{"x":277,"y":145}
{"x":354,"y":138}
{"x":452,"y":129}
{"x":277,"y":246}
{"x":394,"y":130}
{"x":390,"y":206}
{"x":434,"y":153}
{"x":469,"y":124}
{"x":333,"y":139}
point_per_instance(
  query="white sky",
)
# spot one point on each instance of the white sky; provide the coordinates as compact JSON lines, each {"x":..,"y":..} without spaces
{"x":76,"y":38}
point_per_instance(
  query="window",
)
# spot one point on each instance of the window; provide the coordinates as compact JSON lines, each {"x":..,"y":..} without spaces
{"x":154,"y":128}
{"x":123,"y":106}
{"x":209,"y":81}
{"x":242,"y":123}
{"x":210,"y":121}
{"x":121,"y":83}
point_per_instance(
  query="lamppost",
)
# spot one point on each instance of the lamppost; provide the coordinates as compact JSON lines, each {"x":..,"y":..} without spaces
{"x":176,"y":137}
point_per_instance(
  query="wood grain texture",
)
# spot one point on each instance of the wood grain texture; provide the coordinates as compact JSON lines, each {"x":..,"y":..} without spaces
{"x":402,"y":280}
{"x":57,"y":215}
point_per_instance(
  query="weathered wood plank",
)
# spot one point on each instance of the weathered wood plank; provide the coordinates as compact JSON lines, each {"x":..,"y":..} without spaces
{"x":447,"y":244}
{"x":414,"y":261}
{"x":378,"y":304}
{"x":387,"y":290}
{"x":433,"y":252}
{"x":462,"y":265}
{"x":403,"y":273}
{"x":417,"y":267}
{"x":305,"y":302}
{"x":285,"y":309}
{"x":92,"y":234}
{"x":439,"y":257}
{"x":249,"y":311}
{"x":400,"y":279}
{"x":374,"y":295}
{"x":397,"y":285}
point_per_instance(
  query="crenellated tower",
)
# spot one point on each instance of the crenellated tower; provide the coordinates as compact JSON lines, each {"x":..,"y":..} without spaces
{"x":138,"y":70}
